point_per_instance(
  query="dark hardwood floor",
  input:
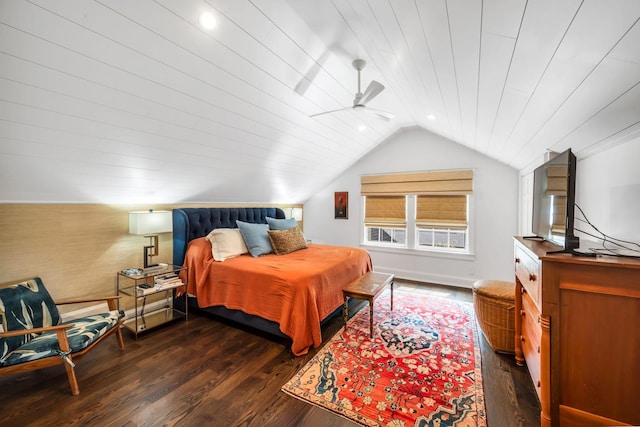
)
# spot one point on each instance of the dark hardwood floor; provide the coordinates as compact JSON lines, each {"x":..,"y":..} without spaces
{"x":207,"y":372}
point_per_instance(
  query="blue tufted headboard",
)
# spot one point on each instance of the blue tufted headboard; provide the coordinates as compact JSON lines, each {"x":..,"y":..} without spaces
{"x":191,"y":223}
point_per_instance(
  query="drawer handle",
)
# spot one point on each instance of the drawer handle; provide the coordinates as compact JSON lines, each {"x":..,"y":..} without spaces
{"x":522,"y":338}
{"x":517,"y":260}
{"x":538,"y":318}
{"x":522,"y":312}
{"x":538,"y":349}
{"x":532,"y":277}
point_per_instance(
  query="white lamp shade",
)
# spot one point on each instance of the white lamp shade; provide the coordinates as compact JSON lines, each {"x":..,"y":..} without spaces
{"x":150,"y":222}
{"x":296,"y":213}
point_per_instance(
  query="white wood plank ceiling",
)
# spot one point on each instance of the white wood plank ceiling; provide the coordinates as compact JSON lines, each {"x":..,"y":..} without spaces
{"x":120,"y":101}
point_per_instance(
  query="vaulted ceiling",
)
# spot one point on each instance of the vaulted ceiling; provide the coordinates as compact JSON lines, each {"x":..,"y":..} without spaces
{"x":134,"y":101}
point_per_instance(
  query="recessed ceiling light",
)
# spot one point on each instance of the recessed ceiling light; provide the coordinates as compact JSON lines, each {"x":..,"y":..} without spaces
{"x":362,"y":128}
{"x":207,"y":20}
{"x":431,"y":117}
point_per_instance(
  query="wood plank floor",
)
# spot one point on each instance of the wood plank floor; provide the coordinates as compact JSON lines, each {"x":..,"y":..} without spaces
{"x":207,"y":372}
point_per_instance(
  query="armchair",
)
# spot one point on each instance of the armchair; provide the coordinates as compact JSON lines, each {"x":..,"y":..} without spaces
{"x":32,"y":335}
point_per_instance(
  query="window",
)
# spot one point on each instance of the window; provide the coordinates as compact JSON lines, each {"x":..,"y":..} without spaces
{"x":421,"y":210}
{"x":385,"y":219}
{"x":441,"y":221}
{"x":442,"y":238}
{"x":386,"y":235}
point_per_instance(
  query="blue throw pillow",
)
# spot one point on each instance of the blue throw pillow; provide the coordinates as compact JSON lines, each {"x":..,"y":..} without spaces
{"x":281,"y":224}
{"x":256,"y":238}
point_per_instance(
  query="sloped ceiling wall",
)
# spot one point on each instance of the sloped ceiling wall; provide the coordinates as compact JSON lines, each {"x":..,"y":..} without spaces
{"x":117,"y":101}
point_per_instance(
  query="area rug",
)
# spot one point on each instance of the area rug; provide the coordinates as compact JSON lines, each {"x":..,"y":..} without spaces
{"x":422,"y":367}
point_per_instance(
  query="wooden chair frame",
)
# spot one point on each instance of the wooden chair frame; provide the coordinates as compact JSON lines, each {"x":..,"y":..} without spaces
{"x":67,"y":358}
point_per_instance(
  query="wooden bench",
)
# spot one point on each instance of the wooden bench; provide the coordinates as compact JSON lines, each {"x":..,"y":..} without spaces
{"x":367,"y":287}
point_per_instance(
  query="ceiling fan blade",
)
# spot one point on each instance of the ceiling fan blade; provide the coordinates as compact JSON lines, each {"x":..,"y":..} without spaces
{"x":308,"y":77}
{"x":371,"y":92}
{"x":384,"y":115}
{"x":332,"y":111}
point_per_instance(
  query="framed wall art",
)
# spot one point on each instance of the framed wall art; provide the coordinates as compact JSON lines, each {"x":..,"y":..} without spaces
{"x":341,"y":203}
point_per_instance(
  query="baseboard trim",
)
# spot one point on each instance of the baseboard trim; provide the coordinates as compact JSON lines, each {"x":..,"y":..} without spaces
{"x":101,"y":308}
{"x":438,"y":279}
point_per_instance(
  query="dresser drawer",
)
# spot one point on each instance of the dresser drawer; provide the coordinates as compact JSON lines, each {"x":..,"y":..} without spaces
{"x":530,"y":338}
{"x":528,"y":272}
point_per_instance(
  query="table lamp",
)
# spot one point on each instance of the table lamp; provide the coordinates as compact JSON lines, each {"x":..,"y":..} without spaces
{"x":150,"y":223}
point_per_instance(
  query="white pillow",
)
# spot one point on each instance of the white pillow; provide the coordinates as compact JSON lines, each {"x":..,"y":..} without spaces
{"x":226,"y":243}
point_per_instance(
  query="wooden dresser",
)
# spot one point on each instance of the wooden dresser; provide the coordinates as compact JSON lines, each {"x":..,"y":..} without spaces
{"x":577,"y":327}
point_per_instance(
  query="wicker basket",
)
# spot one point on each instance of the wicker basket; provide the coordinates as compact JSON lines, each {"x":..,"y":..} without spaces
{"x":493,"y":301}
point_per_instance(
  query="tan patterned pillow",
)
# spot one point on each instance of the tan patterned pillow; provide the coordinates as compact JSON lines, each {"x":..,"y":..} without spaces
{"x":287,"y":241}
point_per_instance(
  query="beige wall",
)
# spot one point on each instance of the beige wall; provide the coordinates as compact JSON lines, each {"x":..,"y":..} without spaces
{"x":76,"y":248}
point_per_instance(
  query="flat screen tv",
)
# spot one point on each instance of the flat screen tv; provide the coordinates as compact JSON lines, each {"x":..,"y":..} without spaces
{"x":554,"y":189}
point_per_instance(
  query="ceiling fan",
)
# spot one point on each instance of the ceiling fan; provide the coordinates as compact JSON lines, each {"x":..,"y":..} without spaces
{"x":362,"y":98}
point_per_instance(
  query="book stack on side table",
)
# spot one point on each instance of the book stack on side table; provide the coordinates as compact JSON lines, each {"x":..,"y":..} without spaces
{"x":167,"y":281}
{"x":162,"y":282}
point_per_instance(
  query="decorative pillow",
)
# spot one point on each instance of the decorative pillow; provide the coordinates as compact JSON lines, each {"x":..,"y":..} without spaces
{"x":281,"y":224}
{"x":287,"y":241}
{"x":226,"y":243}
{"x":25,"y":305}
{"x":255,"y":237}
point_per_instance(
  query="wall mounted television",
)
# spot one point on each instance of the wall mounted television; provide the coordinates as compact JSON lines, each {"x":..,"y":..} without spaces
{"x":554,"y":189}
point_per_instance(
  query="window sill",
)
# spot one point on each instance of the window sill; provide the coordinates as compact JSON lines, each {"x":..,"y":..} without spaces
{"x":420,"y":252}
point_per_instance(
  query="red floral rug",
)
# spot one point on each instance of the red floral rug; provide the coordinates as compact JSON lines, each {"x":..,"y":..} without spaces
{"x":422,"y":367}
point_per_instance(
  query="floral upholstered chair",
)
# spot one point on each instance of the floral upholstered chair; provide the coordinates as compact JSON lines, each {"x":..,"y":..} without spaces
{"x":32,"y":335}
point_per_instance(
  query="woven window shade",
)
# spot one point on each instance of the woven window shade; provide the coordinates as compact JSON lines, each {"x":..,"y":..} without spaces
{"x":385,"y":212}
{"x":441,"y":212}
{"x":458,"y":182}
{"x":557,"y":180}
{"x":559,"y":218}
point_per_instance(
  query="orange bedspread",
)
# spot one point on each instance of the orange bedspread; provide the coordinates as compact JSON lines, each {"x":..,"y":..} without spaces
{"x":296,"y":290}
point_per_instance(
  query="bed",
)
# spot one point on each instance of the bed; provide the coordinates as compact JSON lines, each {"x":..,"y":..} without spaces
{"x":289,"y":296}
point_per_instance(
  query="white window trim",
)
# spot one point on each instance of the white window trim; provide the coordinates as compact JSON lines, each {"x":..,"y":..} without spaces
{"x":433,"y":253}
{"x":411,"y":221}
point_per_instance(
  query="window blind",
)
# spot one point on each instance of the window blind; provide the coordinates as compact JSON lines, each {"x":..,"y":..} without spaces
{"x":385,"y":212}
{"x":458,"y":182}
{"x":557,"y":180}
{"x":441,"y":212}
{"x":559,"y":219}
